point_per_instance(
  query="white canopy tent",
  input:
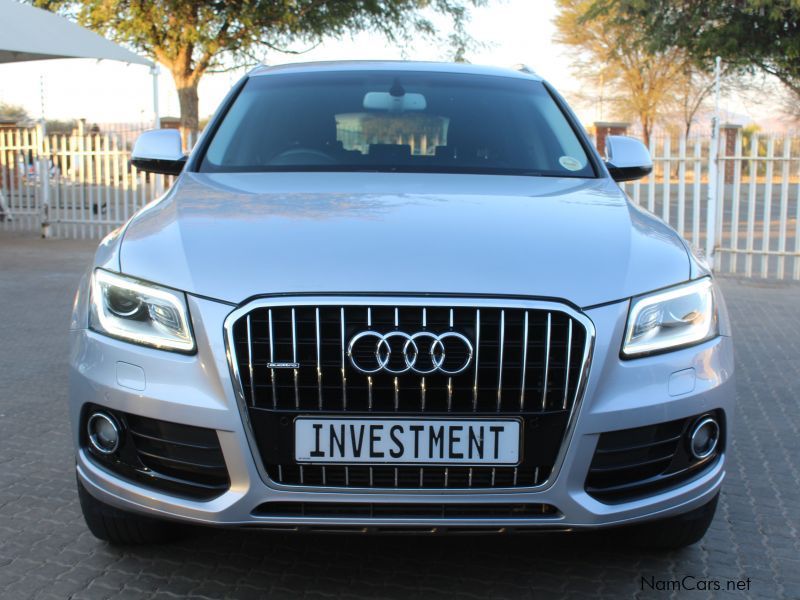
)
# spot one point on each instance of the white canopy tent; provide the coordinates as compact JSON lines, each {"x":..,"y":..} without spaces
{"x":34,"y":34}
{"x":30,"y":33}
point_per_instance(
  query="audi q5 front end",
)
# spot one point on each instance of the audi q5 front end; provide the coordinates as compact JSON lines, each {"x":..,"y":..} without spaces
{"x":398,"y":296}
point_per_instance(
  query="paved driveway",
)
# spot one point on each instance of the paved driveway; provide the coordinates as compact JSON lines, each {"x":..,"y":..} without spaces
{"x":46,"y":552}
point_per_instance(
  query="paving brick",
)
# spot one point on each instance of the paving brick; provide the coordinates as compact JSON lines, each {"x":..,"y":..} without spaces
{"x":46,"y":551}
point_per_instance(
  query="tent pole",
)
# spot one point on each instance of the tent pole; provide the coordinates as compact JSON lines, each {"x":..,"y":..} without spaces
{"x":154,"y":71}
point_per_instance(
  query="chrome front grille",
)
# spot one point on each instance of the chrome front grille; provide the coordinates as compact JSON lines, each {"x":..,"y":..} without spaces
{"x":527,"y":360}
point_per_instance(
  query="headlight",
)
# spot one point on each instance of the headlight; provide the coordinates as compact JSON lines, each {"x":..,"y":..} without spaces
{"x":138,"y":312}
{"x":674,"y":318}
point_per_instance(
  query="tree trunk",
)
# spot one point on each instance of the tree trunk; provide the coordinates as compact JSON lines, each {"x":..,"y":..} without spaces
{"x":644,"y":119}
{"x":188,"y":99}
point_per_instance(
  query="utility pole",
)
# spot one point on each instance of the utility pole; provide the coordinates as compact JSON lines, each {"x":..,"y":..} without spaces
{"x":41,"y":96}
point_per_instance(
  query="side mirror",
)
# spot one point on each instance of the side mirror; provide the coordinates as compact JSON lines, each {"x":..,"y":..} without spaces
{"x":159,"y":151}
{"x":627,"y":158}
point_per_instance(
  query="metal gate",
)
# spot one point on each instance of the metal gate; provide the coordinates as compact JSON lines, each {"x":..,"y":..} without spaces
{"x":82,"y":185}
{"x":754,"y":195}
{"x":78,"y":185}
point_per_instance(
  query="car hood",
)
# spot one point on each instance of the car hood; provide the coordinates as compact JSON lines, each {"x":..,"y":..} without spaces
{"x":234,"y":236}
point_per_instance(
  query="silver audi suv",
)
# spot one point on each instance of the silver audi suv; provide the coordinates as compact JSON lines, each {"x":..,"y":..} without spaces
{"x":396,"y":296}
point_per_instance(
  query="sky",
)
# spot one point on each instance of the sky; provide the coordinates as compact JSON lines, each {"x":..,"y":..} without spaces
{"x":513,"y":31}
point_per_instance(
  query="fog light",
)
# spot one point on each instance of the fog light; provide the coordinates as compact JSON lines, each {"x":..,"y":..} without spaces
{"x":704,"y":438}
{"x":104,"y":433}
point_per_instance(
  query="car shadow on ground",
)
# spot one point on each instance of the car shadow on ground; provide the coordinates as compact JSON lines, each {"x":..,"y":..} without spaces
{"x":270,"y":564}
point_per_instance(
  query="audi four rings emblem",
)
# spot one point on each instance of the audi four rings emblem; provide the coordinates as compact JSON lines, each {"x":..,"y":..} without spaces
{"x":398,"y":352}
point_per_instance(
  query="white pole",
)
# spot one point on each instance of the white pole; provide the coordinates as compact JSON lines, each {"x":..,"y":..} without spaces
{"x":44,"y":178}
{"x":43,"y":166}
{"x":713,"y":154}
{"x":41,"y":95}
{"x":154,"y":71}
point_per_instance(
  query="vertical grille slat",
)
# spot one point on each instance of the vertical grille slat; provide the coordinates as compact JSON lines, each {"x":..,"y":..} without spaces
{"x":522,"y":384}
{"x":344,"y":367}
{"x":501,"y":348}
{"x":450,"y":379}
{"x":250,"y":360}
{"x":272,"y":360}
{"x":298,"y":359}
{"x":524,"y":363}
{"x":294,"y":360}
{"x":422,"y":387}
{"x":546,"y":361}
{"x":319,"y":364}
{"x":477,"y":359}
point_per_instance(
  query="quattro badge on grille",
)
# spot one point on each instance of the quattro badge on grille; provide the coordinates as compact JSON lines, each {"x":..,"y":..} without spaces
{"x":398,"y":352}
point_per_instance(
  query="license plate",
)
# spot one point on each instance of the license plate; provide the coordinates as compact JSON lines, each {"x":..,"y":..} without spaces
{"x":407,"y":441}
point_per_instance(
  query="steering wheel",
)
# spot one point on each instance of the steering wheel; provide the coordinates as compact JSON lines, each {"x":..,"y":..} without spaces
{"x":301,"y":155}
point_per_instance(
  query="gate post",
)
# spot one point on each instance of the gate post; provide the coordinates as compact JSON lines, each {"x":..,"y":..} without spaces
{"x":713,"y":177}
{"x":731,"y":132}
{"x":711,"y":206}
{"x":44,"y":178}
{"x":603,"y":129}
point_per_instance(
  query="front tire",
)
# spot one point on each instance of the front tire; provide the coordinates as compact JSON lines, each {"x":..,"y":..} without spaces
{"x":122,"y":528}
{"x":675,"y":532}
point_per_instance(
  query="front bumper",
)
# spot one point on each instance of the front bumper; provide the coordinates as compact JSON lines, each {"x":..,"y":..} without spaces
{"x":198,"y":390}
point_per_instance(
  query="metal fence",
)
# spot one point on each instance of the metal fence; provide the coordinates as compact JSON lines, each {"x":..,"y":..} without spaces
{"x":78,"y":185}
{"x":740,"y":204}
{"x":753,"y":193}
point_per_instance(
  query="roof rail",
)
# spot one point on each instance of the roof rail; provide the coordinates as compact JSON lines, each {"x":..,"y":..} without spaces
{"x":523,"y":68}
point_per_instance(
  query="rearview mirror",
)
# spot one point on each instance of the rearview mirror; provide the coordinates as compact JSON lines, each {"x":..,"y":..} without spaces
{"x":159,"y":151}
{"x":627,"y":158}
{"x":392,"y":103}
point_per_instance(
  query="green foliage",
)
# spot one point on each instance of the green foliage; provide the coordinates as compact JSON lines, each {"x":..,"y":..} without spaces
{"x":749,"y":132}
{"x":57,"y":126}
{"x":199,"y":35}
{"x":636,"y":80}
{"x":748,"y":34}
{"x":12,"y":112}
{"x":191,"y":37}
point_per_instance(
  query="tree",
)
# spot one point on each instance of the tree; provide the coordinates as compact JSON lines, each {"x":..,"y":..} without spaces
{"x":610,"y":54}
{"x":748,"y":35}
{"x":53,"y":126}
{"x":12,"y":112}
{"x":693,"y":87}
{"x":192,"y":37}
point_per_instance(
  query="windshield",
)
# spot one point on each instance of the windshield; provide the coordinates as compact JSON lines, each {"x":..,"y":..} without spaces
{"x":400,"y":121}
